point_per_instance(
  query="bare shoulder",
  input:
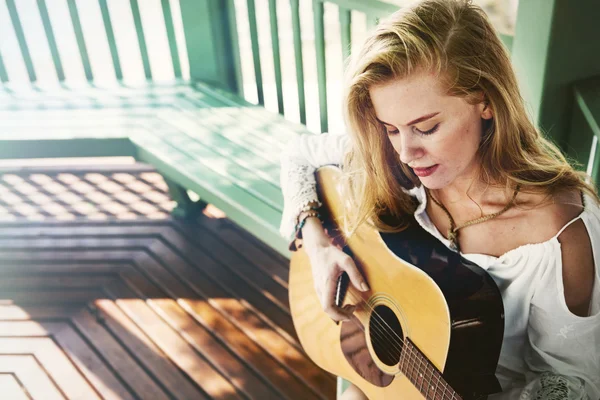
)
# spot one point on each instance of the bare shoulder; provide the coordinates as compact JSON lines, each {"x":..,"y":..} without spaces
{"x":546,"y":216}
{"x":540,"y":220}
{"x":577,"y":257}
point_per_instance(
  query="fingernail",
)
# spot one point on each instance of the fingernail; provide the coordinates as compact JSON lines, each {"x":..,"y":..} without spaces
{"x":364,"y":287}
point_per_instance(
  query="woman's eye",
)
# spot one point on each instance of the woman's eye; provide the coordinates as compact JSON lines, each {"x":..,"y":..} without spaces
{"x":429,"y":132}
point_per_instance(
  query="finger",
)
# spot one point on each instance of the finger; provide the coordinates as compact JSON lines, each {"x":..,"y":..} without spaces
{"x":336,"y":314}
{"x":349,"y":309}
{"x":355,"y":276}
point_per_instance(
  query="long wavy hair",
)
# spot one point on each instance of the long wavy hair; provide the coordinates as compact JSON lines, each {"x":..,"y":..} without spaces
{"x":455,"y":40}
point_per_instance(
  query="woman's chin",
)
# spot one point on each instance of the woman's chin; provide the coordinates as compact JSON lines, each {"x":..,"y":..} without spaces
{"x":432,"y":183}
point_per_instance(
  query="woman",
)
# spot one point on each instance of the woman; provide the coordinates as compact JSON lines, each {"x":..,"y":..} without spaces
{"x":437,"y":129}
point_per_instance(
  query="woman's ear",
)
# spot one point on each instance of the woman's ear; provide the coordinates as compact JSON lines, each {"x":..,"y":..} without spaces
{"x":486,"y":110}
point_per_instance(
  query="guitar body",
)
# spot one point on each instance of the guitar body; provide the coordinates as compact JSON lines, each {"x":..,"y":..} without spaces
{"x":430,"y":327}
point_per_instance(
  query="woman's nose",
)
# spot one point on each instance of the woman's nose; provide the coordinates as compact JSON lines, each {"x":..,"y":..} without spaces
{"x":410,"y":147}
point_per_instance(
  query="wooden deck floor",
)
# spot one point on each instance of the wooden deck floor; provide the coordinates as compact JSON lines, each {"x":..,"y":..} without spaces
{"x":104,"y":296}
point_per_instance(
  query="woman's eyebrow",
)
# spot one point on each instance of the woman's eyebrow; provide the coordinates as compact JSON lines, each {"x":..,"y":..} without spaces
{"x":416,"y":121}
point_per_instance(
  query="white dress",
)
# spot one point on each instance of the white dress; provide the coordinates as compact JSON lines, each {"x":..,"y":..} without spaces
{"x":547,"y":352}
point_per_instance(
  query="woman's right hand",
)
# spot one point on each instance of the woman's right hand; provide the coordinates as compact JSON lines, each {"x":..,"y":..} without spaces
{"x":328,"y":262}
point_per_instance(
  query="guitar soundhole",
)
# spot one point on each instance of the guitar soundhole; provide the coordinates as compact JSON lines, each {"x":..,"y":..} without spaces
{"x":386,"y":335}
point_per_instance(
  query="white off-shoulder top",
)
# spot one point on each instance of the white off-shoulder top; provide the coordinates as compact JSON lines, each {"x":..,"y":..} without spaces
{"x":547,"y":352}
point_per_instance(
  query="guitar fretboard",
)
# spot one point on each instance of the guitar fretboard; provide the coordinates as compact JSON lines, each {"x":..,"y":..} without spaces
{"x":424,"y":375}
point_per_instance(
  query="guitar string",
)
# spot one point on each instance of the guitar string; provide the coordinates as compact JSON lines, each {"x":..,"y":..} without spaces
{"x":382,"y":335}
{"x":414,"y":353}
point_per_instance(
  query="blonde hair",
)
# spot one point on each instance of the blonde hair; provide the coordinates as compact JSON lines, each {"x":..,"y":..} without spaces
{"x":455,"y":39}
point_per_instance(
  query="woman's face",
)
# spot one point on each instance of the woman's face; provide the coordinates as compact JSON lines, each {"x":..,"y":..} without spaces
{"x":429,"y":128}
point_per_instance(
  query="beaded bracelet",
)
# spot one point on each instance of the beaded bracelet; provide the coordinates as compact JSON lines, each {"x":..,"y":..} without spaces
{"x":300,"y":225}
{"x":305,"y":209}
{"x":309,"y":207}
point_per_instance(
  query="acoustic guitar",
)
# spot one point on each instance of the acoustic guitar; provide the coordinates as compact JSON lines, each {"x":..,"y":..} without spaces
{"x":430,"y":327}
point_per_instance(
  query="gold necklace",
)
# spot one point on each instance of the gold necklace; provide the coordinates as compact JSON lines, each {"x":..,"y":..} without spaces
{"x":453,"y":230}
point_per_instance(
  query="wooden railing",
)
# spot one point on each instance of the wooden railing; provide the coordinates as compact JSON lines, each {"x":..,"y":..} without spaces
{"x":50,"y":25}
{"x":585,"y":126}
{"x":201,"y":35}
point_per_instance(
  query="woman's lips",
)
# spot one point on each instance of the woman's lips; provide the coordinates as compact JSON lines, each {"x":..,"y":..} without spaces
{"x":422,"y":172}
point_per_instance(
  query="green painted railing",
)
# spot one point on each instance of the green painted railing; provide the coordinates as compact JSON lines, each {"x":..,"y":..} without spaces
{"x":49,"y":28}
{"x":211,"y":41}
{"x":373,"y":10}
{"x":585,"y":127}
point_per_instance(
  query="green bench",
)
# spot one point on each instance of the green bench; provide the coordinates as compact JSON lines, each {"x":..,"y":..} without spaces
{"x":198,"y":137}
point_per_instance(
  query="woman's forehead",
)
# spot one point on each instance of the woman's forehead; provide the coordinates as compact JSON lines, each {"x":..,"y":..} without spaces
{"x":401,"y":101}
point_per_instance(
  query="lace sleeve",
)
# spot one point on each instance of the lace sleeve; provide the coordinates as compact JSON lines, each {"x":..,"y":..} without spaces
{"x":301,"y":158}
{"x":546,"y":386}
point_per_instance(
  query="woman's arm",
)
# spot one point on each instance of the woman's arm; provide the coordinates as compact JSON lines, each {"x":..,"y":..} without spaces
{"x":299,"y":161}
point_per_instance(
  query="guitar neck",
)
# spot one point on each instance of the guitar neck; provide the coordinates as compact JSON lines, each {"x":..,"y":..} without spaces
{"x":424,"y":375}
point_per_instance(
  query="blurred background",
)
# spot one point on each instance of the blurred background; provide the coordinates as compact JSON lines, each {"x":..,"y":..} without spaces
{"x":501,"y":12}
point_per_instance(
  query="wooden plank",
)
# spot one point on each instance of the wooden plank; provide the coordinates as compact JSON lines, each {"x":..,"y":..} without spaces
{"x":207,"y":25}
{"x":78,"y":351}
{"x":233,"y":42}
{"x":319,"y":25}
{"x":138,"y":170}
{"x":53,"y":281}
{"x":43,"y":10}
{"x":283,"y":352}
{"x":53,"y":148}
{"x":267,"y":295}
{"x":168,"y":18}
{"x":90,"y":365}
{"x":245,"y":275}
{"x":374,"y":7}
{"x":242,"y":375}
{"x":252,"y":147}
{"x":110,"y":36}
{"x":210,"y":306}
{"x":255,"y":51}
{"x":31,"y":375}
{"x":296,"y":30}
{"x":585,"y":123}
{"x":202,"y":303}
{"x":55,"y":363}
{"x":345,"y":17}
{"x":36,"y":312}
{"x":83,"y":52}
{"x":253,"y":111}
{"x":255,"y":134}
{"x":68,"y":266}
{"x":11,"y":388}
{"x":139,"y":30}
{"x":199,"y":370}
{"x":258,"y":176}
{"x":54,"y":297}
{"x":119,"y":359}
{"x":255,"y":254}
{"x":20,"y":35}
{"x":248,"y":211}
{"x":209,"y":289}
{"x":276,"y":53}
{"x":3,"y":73}
{"x":146,"y":352}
